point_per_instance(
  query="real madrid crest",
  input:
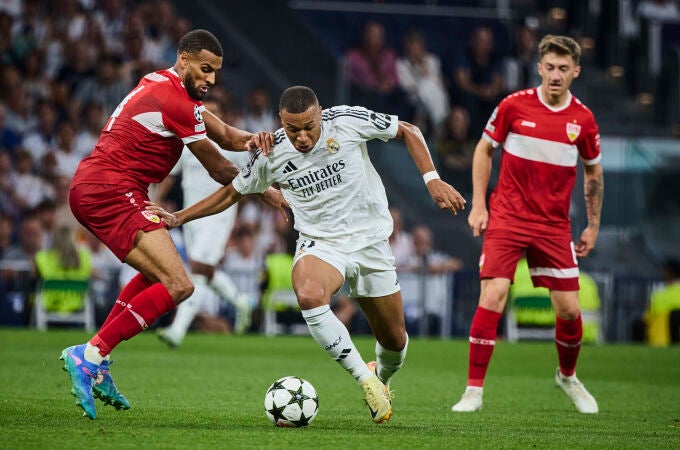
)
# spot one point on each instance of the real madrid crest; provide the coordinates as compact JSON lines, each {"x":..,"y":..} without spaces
{"x":332,"y":145}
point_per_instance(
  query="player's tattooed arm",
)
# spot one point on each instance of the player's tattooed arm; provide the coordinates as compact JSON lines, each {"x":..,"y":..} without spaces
{"x":593,"y":187}
{"x":594,"y":194}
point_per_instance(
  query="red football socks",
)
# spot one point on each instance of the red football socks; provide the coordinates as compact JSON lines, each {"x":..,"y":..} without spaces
{"x":568,"y":335}
{"x":482,"y":341}
{"x":141,"y":312}
{"x":136,"y":285}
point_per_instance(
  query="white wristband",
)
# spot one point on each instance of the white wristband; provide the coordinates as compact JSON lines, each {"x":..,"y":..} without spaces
{"x":429,"y":176}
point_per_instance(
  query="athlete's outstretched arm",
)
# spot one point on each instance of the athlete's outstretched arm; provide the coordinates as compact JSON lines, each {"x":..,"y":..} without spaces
{"x":219,"y":168}
{"x":231,"y":138}
{"x":215,"y":203}
{"x":442,"y":193}
{"x":481,"y":172}
{"x":593,"y":187}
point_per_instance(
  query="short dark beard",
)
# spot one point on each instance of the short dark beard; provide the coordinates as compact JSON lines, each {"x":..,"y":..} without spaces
{"x":192,"y":90}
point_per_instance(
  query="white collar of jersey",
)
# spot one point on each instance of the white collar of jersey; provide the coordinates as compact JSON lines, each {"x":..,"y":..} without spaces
{"x":172,"y":71}
{"x":552,"y":108}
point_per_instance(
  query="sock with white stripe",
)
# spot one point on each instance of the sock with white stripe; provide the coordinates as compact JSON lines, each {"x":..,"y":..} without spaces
{"x":482,"y":341}
{"x":141,"y":312}
{"x":332,"y":336}
{"x":92,"y":354}
{"x":568,"y":334}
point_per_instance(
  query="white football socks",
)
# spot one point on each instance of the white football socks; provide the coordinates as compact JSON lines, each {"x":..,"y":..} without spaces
{"x":332,"y":336}
{"x":187,"y":310}
{"x":92,"y":355}
{"x":224,"y":286}
{"x":389,"y":361}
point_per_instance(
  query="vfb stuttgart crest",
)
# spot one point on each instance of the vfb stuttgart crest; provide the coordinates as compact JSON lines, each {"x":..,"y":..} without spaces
{"x":573,"y":130}
{"x":151,"y":217}
{"x":332,"y":145}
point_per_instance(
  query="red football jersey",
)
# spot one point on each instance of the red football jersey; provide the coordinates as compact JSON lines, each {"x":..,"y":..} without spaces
{"x":541,"y":148}
{"x":144,"y":137}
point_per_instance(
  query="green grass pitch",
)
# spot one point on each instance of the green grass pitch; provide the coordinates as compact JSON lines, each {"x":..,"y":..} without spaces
{"x":208,"y":394}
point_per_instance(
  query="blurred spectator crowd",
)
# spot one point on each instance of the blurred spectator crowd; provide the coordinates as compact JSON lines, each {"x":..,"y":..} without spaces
{"x":449,"y":101}
{"x":64,"y":66}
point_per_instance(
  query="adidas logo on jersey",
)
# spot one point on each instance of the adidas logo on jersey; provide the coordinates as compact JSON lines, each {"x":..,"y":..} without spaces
{"x":289,"y":167}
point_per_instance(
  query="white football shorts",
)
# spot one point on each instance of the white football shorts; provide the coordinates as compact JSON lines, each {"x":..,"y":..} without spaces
{"x":368,"y":272}
{"x":206,"y":238}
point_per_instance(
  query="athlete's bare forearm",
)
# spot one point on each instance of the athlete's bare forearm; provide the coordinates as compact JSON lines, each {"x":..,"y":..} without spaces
{"x":226,"y":136}
{"x":416,"y":145}
{"x":215,"y":203}
{"x":593,"y":188}
{"x":481,"y":172}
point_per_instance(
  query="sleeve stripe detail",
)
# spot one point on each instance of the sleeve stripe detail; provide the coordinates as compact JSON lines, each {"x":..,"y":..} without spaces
{"x":194,"y":138}
{"x":592,"y":162}
{"x":279,"y":136}
{"x":490,"y":140}
{"x":329,"y":114}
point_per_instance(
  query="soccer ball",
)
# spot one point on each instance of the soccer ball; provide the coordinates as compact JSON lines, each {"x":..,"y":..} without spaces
{"x":291,"y":402}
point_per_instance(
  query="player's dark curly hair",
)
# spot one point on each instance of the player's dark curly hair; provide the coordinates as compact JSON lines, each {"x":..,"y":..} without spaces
{"x":297,"y":99}
{"x":196,"y":40}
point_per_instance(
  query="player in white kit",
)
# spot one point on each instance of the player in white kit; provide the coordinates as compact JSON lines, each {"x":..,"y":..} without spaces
{"x":205,"y":242}
{"x":320,"y":161}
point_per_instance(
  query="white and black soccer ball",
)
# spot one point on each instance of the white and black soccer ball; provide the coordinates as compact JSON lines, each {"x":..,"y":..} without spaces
{"x":291,"y":402}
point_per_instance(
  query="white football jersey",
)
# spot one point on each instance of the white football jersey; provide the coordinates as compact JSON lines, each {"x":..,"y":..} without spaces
{"x":334,"y":190}
{"x":196,"y":183}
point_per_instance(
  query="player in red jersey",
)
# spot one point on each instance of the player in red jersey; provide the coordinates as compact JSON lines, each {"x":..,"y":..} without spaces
{"x":543,"y":131}
{"x":140,"y":143}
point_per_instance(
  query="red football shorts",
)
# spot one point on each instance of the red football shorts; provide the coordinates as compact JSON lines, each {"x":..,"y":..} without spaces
{"x":551,"y":258}
{"x":114,"y":214}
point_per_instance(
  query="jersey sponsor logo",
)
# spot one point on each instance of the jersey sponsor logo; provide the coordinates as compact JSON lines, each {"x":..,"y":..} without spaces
{"x":573,"y":130}
{"x":526,"y":123}
{"x":289,"y":167}
{"x":247,"y":170}
{"x":380,"y":120}
{"x":316,"y":181}
{"x":198,"y":115}
{"x":151,"y":217}
{"x":332,"y":145}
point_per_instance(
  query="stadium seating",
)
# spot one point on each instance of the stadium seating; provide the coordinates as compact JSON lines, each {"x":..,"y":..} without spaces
{"x":277,"y":305}
{"x":64,"y":302}
{"x":530,"y":317}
